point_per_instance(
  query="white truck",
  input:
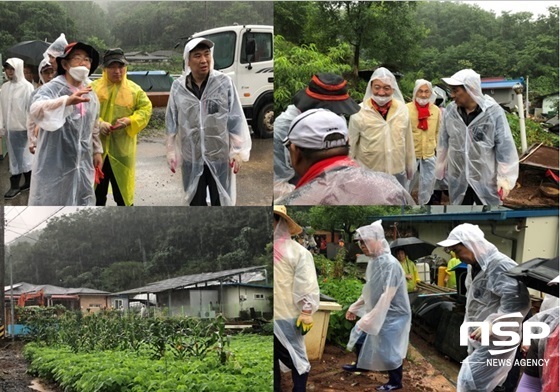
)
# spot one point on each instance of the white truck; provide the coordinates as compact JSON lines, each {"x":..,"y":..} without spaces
{"x":245,"y":53}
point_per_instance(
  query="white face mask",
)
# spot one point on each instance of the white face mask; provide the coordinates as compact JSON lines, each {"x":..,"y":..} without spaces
{"x":382,"y":101}
{"x":422,"y":101}
{"x":79,"y":73}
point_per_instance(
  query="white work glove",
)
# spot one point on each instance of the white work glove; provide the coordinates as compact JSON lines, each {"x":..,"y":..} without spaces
{"x":2,"y":132}
{"x":105,"y":128}
{"x":503,"y":189}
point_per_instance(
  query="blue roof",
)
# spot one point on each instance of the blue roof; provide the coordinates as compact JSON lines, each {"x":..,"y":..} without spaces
{"x":501,"y":84}
{"x":500,"y":215}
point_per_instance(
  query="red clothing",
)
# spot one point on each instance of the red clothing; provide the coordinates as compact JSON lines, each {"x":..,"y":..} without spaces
{"x":322,"y":166}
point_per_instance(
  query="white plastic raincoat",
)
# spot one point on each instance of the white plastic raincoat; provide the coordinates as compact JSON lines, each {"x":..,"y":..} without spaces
{"x":483,"y":154}
{"x":383,"y":145}
{"x":57,"y":47}
{"x":425,"y":143}
{"x":283,"y":171}
{"x":63,"y":170}
{"x":344,"y":184}
{"x":211,"y":131}
{"x":295,"y":286}
{"x":384,"y":306}
{"x":125,"y":99}
{"x":490,"y":294}
{"x":14,"y":100}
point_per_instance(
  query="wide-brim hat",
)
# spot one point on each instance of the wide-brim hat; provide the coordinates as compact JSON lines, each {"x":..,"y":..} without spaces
{"x":293,"y":227}
{"x":90,"y":50}
{"x":327,"y":91}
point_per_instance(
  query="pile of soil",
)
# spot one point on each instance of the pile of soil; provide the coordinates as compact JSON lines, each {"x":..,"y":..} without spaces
{"x":327,"y":375}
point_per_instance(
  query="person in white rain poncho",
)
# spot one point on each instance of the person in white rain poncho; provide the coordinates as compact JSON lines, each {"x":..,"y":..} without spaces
{"x":68,"y":146}
{"x":380,"y":133}
{"x":318,"y":146}
{"x":296,"y":298}
{"x":46,"y":74}
{"x":476,"y":151}
{"x":14,"y":100}
{"x":381,"y":335}
{"x":54,"y":50}
{"x":207,"y":133}
{"x":325,"y":90}
{"x":491,"y":294}
{"x":425,"y":121}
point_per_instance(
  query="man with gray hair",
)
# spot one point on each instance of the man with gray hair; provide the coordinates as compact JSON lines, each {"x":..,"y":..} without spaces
{"x":424,"y":121}
{"x":318,"y":145}
{"x":475,"y":149}
{"x":380,"y":133}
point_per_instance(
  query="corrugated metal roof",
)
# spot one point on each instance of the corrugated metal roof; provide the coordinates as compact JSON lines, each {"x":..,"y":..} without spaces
{"x":48,"y":289}
{"x":188,"y":280}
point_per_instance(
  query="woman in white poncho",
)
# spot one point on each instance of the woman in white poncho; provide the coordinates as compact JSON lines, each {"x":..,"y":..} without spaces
{"x":68,"y":145}
{"x":381,"y":334}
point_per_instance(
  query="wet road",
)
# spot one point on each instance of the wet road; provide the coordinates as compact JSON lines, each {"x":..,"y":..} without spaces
{"x":157,"y":186}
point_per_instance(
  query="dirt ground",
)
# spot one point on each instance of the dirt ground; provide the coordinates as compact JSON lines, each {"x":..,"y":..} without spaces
{"x":13,"y":376}
{"x":327,"y":375}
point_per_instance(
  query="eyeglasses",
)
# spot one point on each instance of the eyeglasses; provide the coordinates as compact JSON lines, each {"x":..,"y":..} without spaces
{"x":80,"y":59}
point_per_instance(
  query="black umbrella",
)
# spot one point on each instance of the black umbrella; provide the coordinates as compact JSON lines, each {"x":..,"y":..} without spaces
{"x":31,"y":52}
{"x":537,"y":274}
{"x":413,"y":247}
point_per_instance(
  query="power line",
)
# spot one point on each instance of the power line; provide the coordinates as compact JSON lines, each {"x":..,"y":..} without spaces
{"x":37,"y":225}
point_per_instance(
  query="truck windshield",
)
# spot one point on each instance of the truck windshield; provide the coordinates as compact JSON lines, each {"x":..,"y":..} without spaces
{"x":224,"y":48}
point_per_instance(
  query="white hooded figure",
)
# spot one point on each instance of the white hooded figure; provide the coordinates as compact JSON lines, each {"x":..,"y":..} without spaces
{"x":207,"y":134}
{"x":425,"y":120}
{"x":383,"y":142}
{"x":68,"y":139}
{"x":482,"y":155}
{"x":296,"y":291}
{"x":14,"y":100}
{"x":54,"y":50}
{"x":381,"y":334}
{"x":491,"y":294}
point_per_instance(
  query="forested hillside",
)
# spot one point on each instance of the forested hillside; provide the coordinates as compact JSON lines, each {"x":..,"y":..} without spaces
{"x":119,"y":248}
{"x":132,"y":25}
{"x":419,"y":39}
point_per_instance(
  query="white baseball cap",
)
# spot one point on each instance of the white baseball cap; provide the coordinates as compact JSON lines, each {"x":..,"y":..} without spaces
{"x":312,"y":128}
{"x":452,"y":239}
{"x":462,"y":78}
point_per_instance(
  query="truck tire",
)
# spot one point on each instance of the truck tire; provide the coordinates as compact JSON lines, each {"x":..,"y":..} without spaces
{"x":265,"y":121}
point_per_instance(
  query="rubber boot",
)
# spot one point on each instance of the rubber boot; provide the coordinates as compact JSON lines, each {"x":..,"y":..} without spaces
{"x":14,"y":187}
{"x":27,"y":182}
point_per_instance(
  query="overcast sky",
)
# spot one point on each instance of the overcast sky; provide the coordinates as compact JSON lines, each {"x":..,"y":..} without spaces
{"x":20,"y":220}
{"x":535,"y":7}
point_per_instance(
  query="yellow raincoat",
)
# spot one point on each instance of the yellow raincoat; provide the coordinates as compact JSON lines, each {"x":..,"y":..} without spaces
{"x":125,"y":99}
